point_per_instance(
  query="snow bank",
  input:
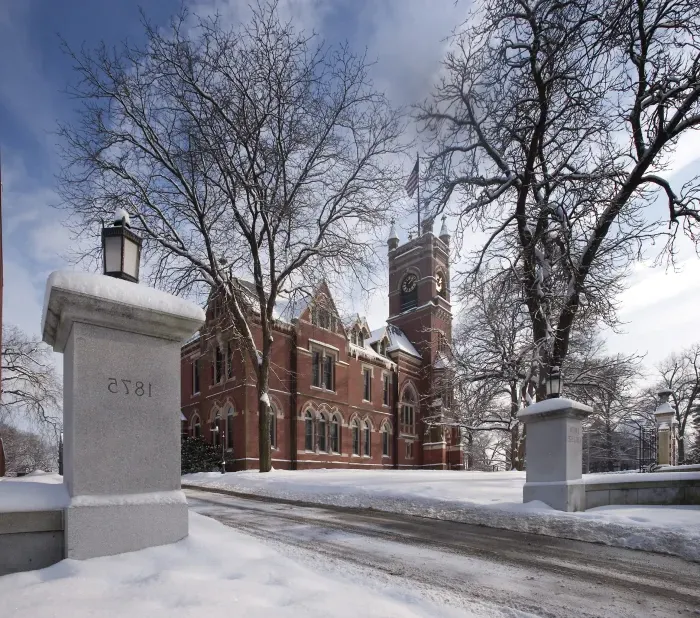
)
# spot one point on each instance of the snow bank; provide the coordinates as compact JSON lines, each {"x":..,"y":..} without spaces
{"x":215,"y":572}
{"x":486,"y":498}
{"x":37,"y":491}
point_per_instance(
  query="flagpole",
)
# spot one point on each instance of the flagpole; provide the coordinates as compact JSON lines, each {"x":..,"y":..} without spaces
{"x":418,"y":192}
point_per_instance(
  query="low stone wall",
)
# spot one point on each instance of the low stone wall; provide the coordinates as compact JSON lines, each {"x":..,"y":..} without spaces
{"x":30,"y":540}
{"x":643,"y":490}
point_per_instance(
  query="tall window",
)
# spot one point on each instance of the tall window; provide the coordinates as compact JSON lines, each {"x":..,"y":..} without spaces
{"x":386,"y":441}
{"x":355,"y":437}
{"x":408,"y":412}
{"x":328,"y":371}
{"x":367,"y":439}
{"x":308,"y":431}
{"x":335,"y":434}
{"x":195,"y":376}
{"x":360,"y":339}
{"x":323,"y":370}
{"x":367,"y":373}
{"x":229,"y":360}
{"x":219,"y":364}
{"x":316,"y":357}
{"x":229,"y":428}
{"x":273,"y":427}
{"x":385,"y":392}
{"x":196,"y":426}
{"x":322,"y":433}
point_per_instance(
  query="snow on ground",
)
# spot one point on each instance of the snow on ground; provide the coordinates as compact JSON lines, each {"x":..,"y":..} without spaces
{"x":485,"y":498}
{"x":216,"y":571}
{"x":38,"y":491}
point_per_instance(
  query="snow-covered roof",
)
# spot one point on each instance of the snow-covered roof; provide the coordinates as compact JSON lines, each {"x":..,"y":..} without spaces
{"x":397,"y":340}
{"x":288,"y":309}
{"x":369,"y":354}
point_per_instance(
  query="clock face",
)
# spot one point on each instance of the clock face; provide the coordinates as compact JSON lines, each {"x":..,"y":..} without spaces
{"x":440,"y":282}
{"x":409,"y":283}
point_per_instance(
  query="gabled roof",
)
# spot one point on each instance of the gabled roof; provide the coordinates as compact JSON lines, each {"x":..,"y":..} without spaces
{"x":397,"y":340}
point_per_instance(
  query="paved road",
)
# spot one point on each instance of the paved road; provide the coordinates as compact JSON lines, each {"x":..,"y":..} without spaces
{"x":459,"y":563}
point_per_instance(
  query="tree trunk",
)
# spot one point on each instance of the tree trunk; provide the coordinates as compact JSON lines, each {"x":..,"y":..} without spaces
{"x":264,"y":446}
{"x":681,"y":448}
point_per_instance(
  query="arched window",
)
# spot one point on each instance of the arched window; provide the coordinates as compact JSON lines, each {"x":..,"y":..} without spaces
{"x":355,"y":426}
{"x":360,"y":339}
{"x":196,"y":426}
{"x":408,"y":412}
{"x":229,"y":429}
{"x":367,"y":442}
{"x":382,"y":347}
{"x":386,"y":440}
{"x":308,"y":431}
{"x":335,"y":434}
{"x":273,"y":427}
{"x":441,"y":284}
{"x":322,"y":433}
{"x":409,"y":292}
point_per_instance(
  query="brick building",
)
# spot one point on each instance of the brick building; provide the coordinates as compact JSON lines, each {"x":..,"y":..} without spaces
{"x":342,"y":395}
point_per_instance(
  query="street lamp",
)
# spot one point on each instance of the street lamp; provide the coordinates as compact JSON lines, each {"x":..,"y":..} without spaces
{"x":216,"y":431}
{"x":554,"y":383}
{"x":121,"y":249}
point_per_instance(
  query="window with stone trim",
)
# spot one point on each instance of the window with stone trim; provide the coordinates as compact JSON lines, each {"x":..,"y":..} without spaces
{"x":386,"y":380}
{"x":195,"y":376}
{"x":386,"y":440}
{"x":196,"y":427}
{"x":355,"y":428}
{"x":323,"y":369}
{"x":408,"y":412}
{"x":367,"y":384}
{"x":308,"y":431}
{"x":367,"y":441}
{"x":322,"y":433}
{"x":335,"y":434}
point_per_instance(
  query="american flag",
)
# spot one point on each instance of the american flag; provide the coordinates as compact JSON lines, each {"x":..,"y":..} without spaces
{"x":412,"y":182}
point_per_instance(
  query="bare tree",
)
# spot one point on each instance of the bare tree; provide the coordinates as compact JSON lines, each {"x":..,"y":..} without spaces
{"x":255,"y":154}
{"x":491,"y":361}
{"x":26,"y":451}
{"x":680,"y":373}
{"x":549,"y":132}
{"x":31,"y":389}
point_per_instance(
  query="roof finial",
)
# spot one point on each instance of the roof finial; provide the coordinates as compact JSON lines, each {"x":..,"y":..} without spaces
{"x":444,"y":234}
{"x":393,"y":240}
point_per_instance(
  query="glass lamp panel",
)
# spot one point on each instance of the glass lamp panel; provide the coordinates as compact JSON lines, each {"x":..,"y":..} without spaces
{"x":131,"y":258}
{"x":113,"y":254}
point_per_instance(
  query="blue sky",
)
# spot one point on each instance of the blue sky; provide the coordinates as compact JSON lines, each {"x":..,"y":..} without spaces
{"x":406,"y":36}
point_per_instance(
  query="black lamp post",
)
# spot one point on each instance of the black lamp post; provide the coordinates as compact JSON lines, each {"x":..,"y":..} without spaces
{"x":554,"y":383}
{"x":121,"y":249}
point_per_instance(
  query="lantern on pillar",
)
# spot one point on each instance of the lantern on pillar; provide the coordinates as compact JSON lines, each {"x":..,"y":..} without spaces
{"x":121,"y":249}
{"x":554,"y":383}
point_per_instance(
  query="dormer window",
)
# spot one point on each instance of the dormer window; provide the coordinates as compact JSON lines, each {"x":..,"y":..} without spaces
{"x":382,"y":347}
{"x":360,"y":340}
{"x":323,"y":318}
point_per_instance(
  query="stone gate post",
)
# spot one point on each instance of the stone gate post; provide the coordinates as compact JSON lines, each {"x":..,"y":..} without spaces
{"x":553,"y":453}
{"x":121,"y":380}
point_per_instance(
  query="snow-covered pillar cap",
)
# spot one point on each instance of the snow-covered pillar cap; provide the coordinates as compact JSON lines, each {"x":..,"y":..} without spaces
{"x":113,"y":303}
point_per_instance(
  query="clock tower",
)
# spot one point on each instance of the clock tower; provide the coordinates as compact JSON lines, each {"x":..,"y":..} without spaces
{"x":419,"y":290}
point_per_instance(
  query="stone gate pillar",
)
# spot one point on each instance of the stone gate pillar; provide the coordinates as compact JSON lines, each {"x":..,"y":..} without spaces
{"x":121,"y":388}
{"x":553,"y":453}
{"x":665,"y":416}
